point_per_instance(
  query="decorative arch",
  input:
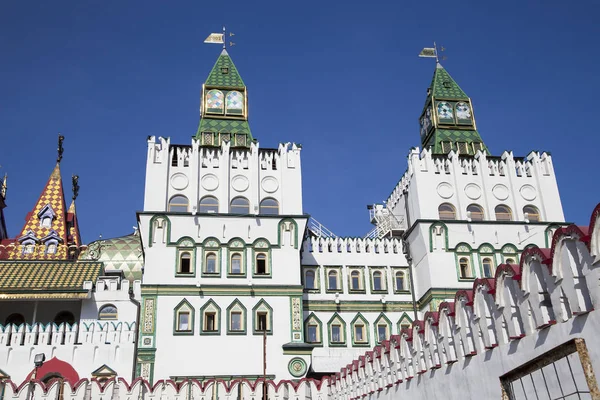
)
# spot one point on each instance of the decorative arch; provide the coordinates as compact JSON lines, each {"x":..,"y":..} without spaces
{"x":183,"y":318}
{"x":463,"y":254}
{"x":313,"y":330}
{"x":336,"y":329}
{"x":261,"y":258}
{"x":211,"y":257}
{"x":236,"y":318}
{"x":178,"y":203}
{"x":382,"y":328}
{"x":405,"y":322}
{"x":360,"y":331}
{"x":537,"y":285}
{"x":438,"y":236}
{"x":288,"y":232}
{"x":262,"y":318}
{"x":211,"y":318}
{"x":160,"y":229}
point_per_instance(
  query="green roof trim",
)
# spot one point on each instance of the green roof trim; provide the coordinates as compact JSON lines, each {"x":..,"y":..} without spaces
{"x":223,"y":126}
{"x":224,"y":74}
{"x":454,"y":136}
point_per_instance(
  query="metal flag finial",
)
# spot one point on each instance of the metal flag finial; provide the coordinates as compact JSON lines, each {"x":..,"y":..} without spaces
{"x":432,"y":52}
{"x":220,"y":38}
{"x":75,"y":181}
{"x":60,"y":147}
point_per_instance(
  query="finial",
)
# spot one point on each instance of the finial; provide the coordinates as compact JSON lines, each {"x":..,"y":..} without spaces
{"x":432,"y":52}
{"x":3,"y":187}
{"x":60,"y":148}
{"x":75,"y":181}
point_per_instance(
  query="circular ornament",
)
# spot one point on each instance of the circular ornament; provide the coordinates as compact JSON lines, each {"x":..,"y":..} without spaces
{"x":473,"y":191}
{"x":500,"y":192}
{"x":445,"y":190}
{"x":297,"y":367}
{"x":528,"y":192}
{"x":269,"y":184}
{"x":179,"y":181}
{"x":210,"y":182}
{"x":239,"y":183}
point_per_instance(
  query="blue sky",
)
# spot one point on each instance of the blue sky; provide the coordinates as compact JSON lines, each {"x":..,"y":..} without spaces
{"x":341,"y":78}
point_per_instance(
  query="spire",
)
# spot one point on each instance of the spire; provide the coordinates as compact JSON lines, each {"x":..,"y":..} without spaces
{"x":447,"y":120}
{"x":224,"y":106}
{"x":3,"y":186}
{"x":73,"y":226}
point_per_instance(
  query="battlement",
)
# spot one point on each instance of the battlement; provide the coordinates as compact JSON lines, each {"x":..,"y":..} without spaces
{"x":464,"y":179}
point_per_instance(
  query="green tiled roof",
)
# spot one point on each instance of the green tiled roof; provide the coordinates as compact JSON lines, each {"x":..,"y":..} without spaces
{"x":229,"y":79}
{"x":440,"y":135}
{"x":444,"y":87}
{"x":224,"y":125}
{"x":118,"y":254}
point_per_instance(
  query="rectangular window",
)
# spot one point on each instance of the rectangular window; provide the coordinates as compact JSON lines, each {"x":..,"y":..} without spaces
{"x":382,"y":332}
{"x":336,"y":334}
{"x":209,"y":322}
{"x":313,"y":333}
{"x":359,"y":333}
{"x":183,"y":321}
{"x":262,"y":322}
{"x":333,"y":280}
{"x":236,"y":321}
{"x":261,"y":264}
{"x":236,"y":264}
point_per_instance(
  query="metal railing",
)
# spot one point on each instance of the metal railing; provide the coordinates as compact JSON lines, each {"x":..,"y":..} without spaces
{"x":319,"y":230}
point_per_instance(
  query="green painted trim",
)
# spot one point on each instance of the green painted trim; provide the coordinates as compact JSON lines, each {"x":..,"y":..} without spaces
{"x":151,"y":230}
{"x":405,"y":318}
{"x":336,"y":317}
{"x":384,"y":318}
{"x":480,"y":258}
{"x":191,"y":250}
{"x":258,"y":305}
{"x":217,"y":309}
{"x":293,"y":331}
{"x":340,"y":289}
{"x":431,"y":234}
{"x":222,"y":290}
{"x":317,"y":272}
{"x":357,"y":305}
{"x":384,"y":282}
{"x":303,"y":367}
{"x":297,"y":352}
{"x":406,"y":271}
{"x":230,"y":253}
{"x":313,"y":317}
{"x":211,"y":249}
{"x":244,"y":322}
{"x":182,"y":304}
{"x":459,"y":255}
{"x":264,"y":250}
{"x":280,"y":230}
{"x":361,"y":279}
{"x":360,"y":317}
{"x":549,"y":233}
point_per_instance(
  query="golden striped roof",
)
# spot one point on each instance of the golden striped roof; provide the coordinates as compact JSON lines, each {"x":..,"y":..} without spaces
{"x":50,"y":279}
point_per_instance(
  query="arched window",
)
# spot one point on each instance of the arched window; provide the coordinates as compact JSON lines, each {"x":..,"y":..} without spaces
{"x":210,"y":265}
{"x":533,"y":214}
{"x":239,"y":205}
{"x":234,"y":103}
{"x":355,"y":280}
{"x":269,"y":207}
{"x":400,"y":281}
{"x":447,"y":211}
{"x":214,"y":101}
{"x":185,"y":263}
{"x":313,"y":330}
{"x":46,"y":222}
{"x":309,"y":279}
{"x":208,"y":204}
{"x":503,"y":213}
{"x":509,"y":261}
{"x":66,"y":317}
{"x":488,"y":267}
{"x":465,"y":267}
{"x":51,"y":248}
{"x":16,"y":318}
{"x":28,"y":248}
{"x":178,"y":203}
{"x":108,"y":312}
{"x":332,"y":280}
{"x":377,"y":281}
{"x":476,"y":212}
{"x":236,"y":263}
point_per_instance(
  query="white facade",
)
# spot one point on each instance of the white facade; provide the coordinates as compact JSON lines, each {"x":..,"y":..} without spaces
{"x":211,"y":263}
{"x":90,"y":343}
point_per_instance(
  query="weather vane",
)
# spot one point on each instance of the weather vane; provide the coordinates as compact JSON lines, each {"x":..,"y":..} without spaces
{"x":60,"y":147}
{"x":220,"y":38}
{"x":75,"y":181}
{"x":432,"y":52}
{"x":3,"y":186}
